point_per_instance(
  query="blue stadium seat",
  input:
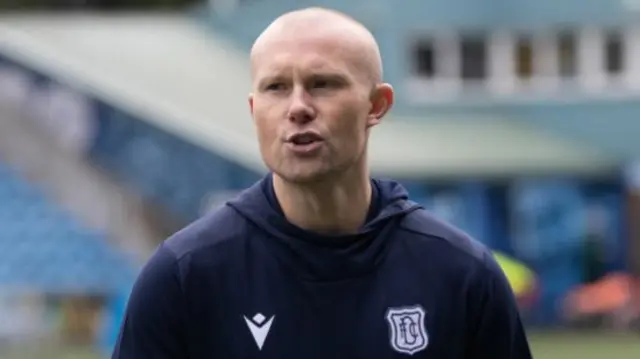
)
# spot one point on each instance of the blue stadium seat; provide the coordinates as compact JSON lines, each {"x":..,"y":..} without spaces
{"x":43,"y":248}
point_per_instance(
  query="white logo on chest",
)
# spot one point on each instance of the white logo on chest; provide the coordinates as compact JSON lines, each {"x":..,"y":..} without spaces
{"x":407,"y":330}
{"x":259,"y":327}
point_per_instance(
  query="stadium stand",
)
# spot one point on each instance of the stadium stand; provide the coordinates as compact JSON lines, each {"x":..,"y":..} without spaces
{"x":204,"y":102}
{"x":567,"y":114}
{"x":44,"y":250}
{"x":589,"y":123}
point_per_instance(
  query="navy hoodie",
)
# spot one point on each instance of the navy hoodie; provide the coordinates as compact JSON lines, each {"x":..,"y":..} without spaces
{"x":242,"y":282}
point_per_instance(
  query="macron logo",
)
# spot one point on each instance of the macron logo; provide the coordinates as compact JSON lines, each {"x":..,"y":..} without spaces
{"x":259,"y":327}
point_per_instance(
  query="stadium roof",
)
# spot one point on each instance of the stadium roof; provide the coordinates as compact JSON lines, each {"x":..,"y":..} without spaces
{"x":169,"y":71}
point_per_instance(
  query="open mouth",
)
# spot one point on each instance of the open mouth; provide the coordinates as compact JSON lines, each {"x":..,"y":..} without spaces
{"x":305,"y":138}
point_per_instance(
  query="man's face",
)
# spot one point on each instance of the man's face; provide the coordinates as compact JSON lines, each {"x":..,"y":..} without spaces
{"x":312,"y":107}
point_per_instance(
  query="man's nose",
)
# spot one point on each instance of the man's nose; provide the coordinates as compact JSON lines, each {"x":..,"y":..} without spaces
{"x":301,"y":111}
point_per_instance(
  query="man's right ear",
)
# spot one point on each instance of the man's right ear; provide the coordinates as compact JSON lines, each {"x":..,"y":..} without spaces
{"x":251,"y":103}
{"x":382,"y":99}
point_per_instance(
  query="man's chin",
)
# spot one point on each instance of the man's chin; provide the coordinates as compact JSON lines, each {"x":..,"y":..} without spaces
{"x":304,"y":175}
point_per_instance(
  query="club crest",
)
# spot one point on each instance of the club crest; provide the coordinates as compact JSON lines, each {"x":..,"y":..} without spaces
{"x":407,"y":330}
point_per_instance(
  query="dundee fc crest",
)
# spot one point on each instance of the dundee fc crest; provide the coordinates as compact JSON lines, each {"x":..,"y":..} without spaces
{"x":407,"y":329}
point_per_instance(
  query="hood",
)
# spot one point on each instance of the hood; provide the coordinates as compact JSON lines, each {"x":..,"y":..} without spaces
{"x":321,"y":256}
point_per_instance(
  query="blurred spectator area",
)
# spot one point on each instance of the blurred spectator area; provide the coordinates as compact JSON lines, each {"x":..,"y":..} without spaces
{"x":44,"y":248}
{"x":51,"y":266}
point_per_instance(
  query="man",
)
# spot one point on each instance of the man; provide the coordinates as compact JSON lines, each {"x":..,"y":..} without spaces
{"x":317,"y":260}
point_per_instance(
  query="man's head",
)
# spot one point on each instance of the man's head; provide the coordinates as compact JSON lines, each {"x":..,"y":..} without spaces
{"x":317,"y":90}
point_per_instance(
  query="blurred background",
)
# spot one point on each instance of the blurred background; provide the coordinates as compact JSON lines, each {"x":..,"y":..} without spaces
{"x":122,"y":121}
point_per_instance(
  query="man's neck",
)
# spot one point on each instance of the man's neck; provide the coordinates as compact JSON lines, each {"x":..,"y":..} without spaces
{"x":332,"y":206}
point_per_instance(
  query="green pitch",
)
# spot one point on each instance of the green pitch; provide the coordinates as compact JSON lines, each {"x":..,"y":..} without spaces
{"x":544,"y":345}
{"x":605,"y":345}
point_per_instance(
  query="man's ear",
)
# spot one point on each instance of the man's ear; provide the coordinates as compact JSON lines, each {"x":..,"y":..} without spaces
{"x":251,"y":103}
{"x":382,"y":98}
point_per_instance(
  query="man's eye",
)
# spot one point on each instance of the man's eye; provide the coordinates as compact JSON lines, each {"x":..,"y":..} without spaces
{"x":321,"y":84}
{"x":327,"y":84}
{"x":275,"y":87}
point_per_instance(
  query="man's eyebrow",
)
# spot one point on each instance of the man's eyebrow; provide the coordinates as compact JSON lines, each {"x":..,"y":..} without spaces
{"x":270,"y":79}
{"x":331,"y":76}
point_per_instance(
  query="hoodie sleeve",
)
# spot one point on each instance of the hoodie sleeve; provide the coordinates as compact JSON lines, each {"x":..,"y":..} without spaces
{"x":154,"y":322}
{"x":498,"y":332}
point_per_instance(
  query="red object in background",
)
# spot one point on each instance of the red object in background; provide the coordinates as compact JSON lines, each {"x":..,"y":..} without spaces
{"x":617,"y":295}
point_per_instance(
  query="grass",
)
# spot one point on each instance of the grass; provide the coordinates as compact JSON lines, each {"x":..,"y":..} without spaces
{"x":561,"y":345}
{"x":585,"y":345}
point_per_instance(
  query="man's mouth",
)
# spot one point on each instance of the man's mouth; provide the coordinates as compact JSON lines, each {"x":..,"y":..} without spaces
{"x":305,"y":138}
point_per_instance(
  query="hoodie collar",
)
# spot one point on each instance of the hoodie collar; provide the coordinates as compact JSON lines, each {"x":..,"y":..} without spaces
{"x":321,"y":257}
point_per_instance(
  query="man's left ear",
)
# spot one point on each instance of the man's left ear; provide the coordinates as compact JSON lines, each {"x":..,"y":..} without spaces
{"x":381,"y":101}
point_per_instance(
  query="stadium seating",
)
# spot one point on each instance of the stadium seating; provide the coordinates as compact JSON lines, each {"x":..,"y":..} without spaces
{"x":43,"y":249}
{"x":164,"y":168}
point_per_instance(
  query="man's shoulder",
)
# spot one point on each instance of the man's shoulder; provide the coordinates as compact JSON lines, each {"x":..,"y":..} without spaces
{"x":440,"y":238}
{"x":216,"y":229}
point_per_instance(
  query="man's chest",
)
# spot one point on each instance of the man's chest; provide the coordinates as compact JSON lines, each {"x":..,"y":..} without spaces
{"x":369,"y":318}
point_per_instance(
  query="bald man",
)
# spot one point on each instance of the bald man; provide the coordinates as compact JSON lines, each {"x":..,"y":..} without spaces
{"x":318,"y":259}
